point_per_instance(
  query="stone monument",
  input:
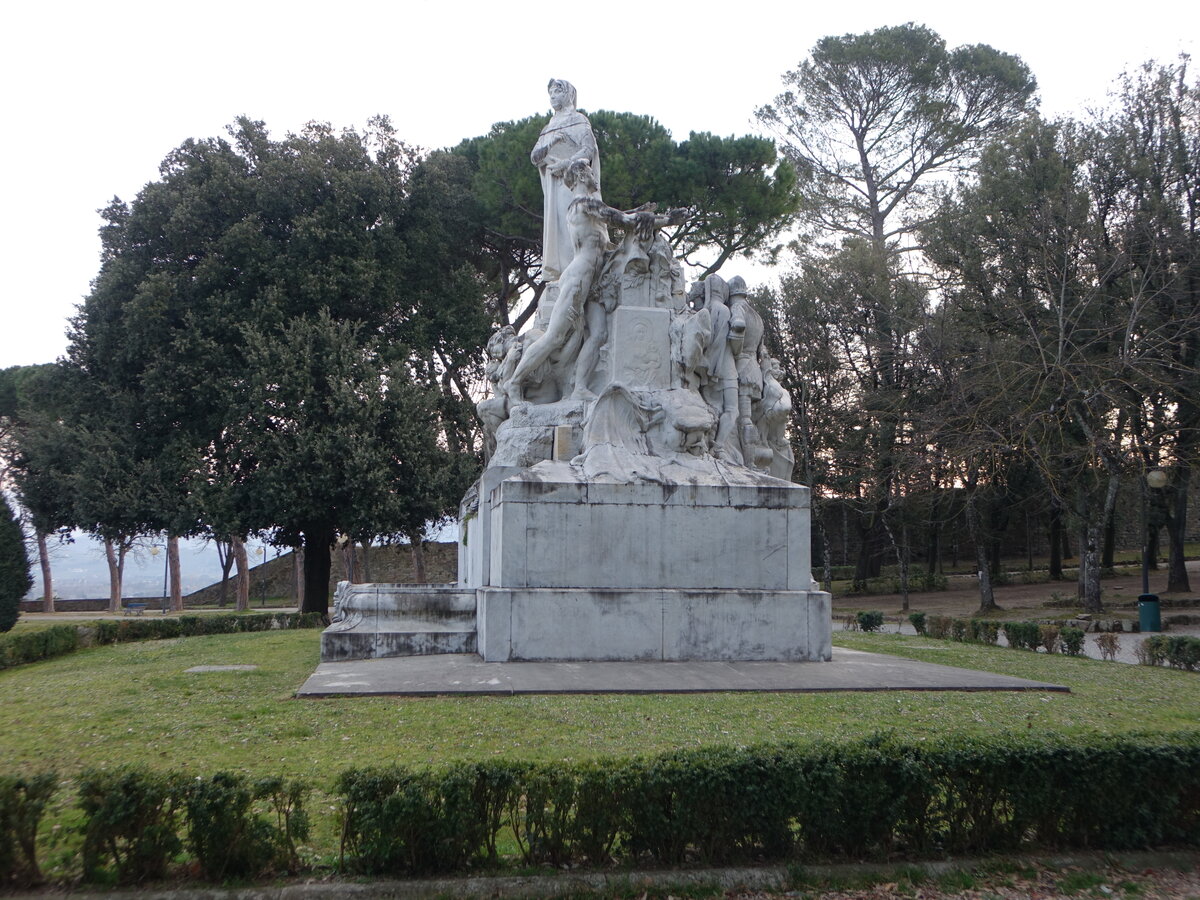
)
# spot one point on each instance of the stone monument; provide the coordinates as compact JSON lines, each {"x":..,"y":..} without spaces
{"x":636,"y":502}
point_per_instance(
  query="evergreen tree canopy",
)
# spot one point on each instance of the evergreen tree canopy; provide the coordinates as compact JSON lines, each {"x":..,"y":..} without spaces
{"x":15,"y":580}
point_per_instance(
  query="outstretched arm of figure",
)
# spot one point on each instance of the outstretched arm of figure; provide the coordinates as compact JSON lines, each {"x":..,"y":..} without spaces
{"x":642,"y":219}
{"x":647,"y":223}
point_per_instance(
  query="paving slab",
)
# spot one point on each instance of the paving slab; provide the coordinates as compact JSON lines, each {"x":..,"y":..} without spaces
{"x":849,"y":670}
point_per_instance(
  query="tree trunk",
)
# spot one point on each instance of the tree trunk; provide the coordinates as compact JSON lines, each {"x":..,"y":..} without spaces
{"x":318,"y":542}
{"x":47,"y":582}
{"x":1090,"y":536}
{"x":225,"y":557}
{"x":298,"y":571}
{"x":870,"y":562}
{"x":176,"y":576}
{"x":933,"y":548}
{"x":366,"y":561}
{"x":1177,"y":576}
{"x":1056,"y":542}
{"x":417,"y":543}
{"x":242,"y":579}
{"x":350,"y":561}
{"x":1028,"y":542}
{"x":1107,"y":556}
{"x":114,"y":576}
{"x":987,"y":600}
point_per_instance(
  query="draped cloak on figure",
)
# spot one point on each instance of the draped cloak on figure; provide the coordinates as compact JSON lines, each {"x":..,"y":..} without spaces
{"x":566,"y":137}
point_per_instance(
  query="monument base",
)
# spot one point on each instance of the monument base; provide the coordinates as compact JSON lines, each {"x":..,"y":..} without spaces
{"x":599,"y":624}
{"x":708,"y":563}
{"x":377,"y":620}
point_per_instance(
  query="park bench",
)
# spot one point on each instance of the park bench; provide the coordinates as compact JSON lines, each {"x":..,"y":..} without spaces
{"x":134,"y":609}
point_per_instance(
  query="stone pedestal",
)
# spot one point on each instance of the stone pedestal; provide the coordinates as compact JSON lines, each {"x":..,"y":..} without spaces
{"x":567,"y":568}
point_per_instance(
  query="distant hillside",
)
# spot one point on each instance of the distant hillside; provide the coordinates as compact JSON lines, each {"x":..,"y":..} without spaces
{"x":277,"y":578}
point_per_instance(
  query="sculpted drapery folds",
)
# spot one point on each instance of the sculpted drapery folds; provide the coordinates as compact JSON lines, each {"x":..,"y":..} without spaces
{"x":617,"y":333}
{"x":566,"y":139}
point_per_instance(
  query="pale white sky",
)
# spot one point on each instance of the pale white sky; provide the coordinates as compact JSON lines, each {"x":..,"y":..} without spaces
{"x":95,"y":95}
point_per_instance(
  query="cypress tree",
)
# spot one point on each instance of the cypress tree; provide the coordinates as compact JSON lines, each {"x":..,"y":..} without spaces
{"x":15,"y":580}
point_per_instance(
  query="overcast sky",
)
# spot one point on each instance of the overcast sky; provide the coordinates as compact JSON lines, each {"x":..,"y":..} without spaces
{"x":95,"y":95}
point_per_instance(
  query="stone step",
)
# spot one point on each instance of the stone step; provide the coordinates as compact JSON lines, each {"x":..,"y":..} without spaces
{"x":375,"y":645}
{"x":381,"y":620}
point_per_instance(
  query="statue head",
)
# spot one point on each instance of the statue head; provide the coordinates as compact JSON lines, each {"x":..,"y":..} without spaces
{"x":500,"y":342}
{"x":737,"y":287}
{"x":580,"y":171}
{"x":562,"y":94}
{"x":715,"y":291}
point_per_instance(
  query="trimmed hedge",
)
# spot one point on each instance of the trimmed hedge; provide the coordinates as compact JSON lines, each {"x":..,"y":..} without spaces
{"x":875,"y":798}
{"x":1179,"y":651}
{"x":59,"y":640}
{"x":109,"y":631}
{"x":22,"y":803}
{"x":1019,"y":635}
{"x":31,"y":646}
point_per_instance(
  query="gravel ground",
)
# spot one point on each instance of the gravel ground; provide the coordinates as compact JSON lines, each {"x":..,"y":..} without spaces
{"x":1126,"y":648}
{"x":1040,"y":883}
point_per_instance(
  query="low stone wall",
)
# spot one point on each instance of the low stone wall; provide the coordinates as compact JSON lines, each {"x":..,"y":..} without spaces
{"x":88,"y":605}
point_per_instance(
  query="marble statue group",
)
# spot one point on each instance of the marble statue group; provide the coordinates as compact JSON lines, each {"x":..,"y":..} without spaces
{"x":646,"y":372}
{"x":637,"y":503}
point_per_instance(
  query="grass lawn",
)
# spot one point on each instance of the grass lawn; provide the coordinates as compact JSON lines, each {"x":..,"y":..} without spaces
{"x":135,"y":703}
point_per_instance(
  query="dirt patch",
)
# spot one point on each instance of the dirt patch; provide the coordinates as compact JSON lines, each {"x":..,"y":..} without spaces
{"x":1023,"y":601}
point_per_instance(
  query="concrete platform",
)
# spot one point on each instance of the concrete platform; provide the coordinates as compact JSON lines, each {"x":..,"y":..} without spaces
{"x":850,"y":670}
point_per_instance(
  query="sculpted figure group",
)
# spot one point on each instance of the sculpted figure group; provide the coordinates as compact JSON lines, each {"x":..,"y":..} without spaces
{"x":645,"y":373}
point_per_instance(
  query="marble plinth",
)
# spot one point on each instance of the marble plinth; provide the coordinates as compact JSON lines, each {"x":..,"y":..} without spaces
{"x":606,"y":624}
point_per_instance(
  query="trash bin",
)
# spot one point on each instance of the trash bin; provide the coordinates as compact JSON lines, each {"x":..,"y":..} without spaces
{"x":1149,"y":614}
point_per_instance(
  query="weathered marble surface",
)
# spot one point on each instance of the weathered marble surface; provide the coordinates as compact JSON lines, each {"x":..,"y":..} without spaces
{"x":376,"y":620}
{"x":567,"y":138}
{"x":637,"y":502}
{"x":615,"y":624}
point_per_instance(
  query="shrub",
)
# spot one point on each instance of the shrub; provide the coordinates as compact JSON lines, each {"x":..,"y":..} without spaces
{"x":229,"y":832}
{"x":939,"y":626}
{"x":1050,"y":637}
{"x":1072,"y":641}
{"x":1183,"y":652}
{"x":984,"y":631}
{"x":669,"y":803}
{"x":958,"y":630}
{"x":917,"y":620}
{"x":870,"y":621}
{"x":1022,"y":635}
{"x":401,"y":822}
{"x":142,"y":629}
{"x":931,"y":581}
{"x":876,"y":797}
{"x":32,"y":646}
{"x":22,"y":802}
{"x":1153,"y":650}
{"x":131,"y":822}
{"x":15,"y":580}
{"x":1109,"y":644}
